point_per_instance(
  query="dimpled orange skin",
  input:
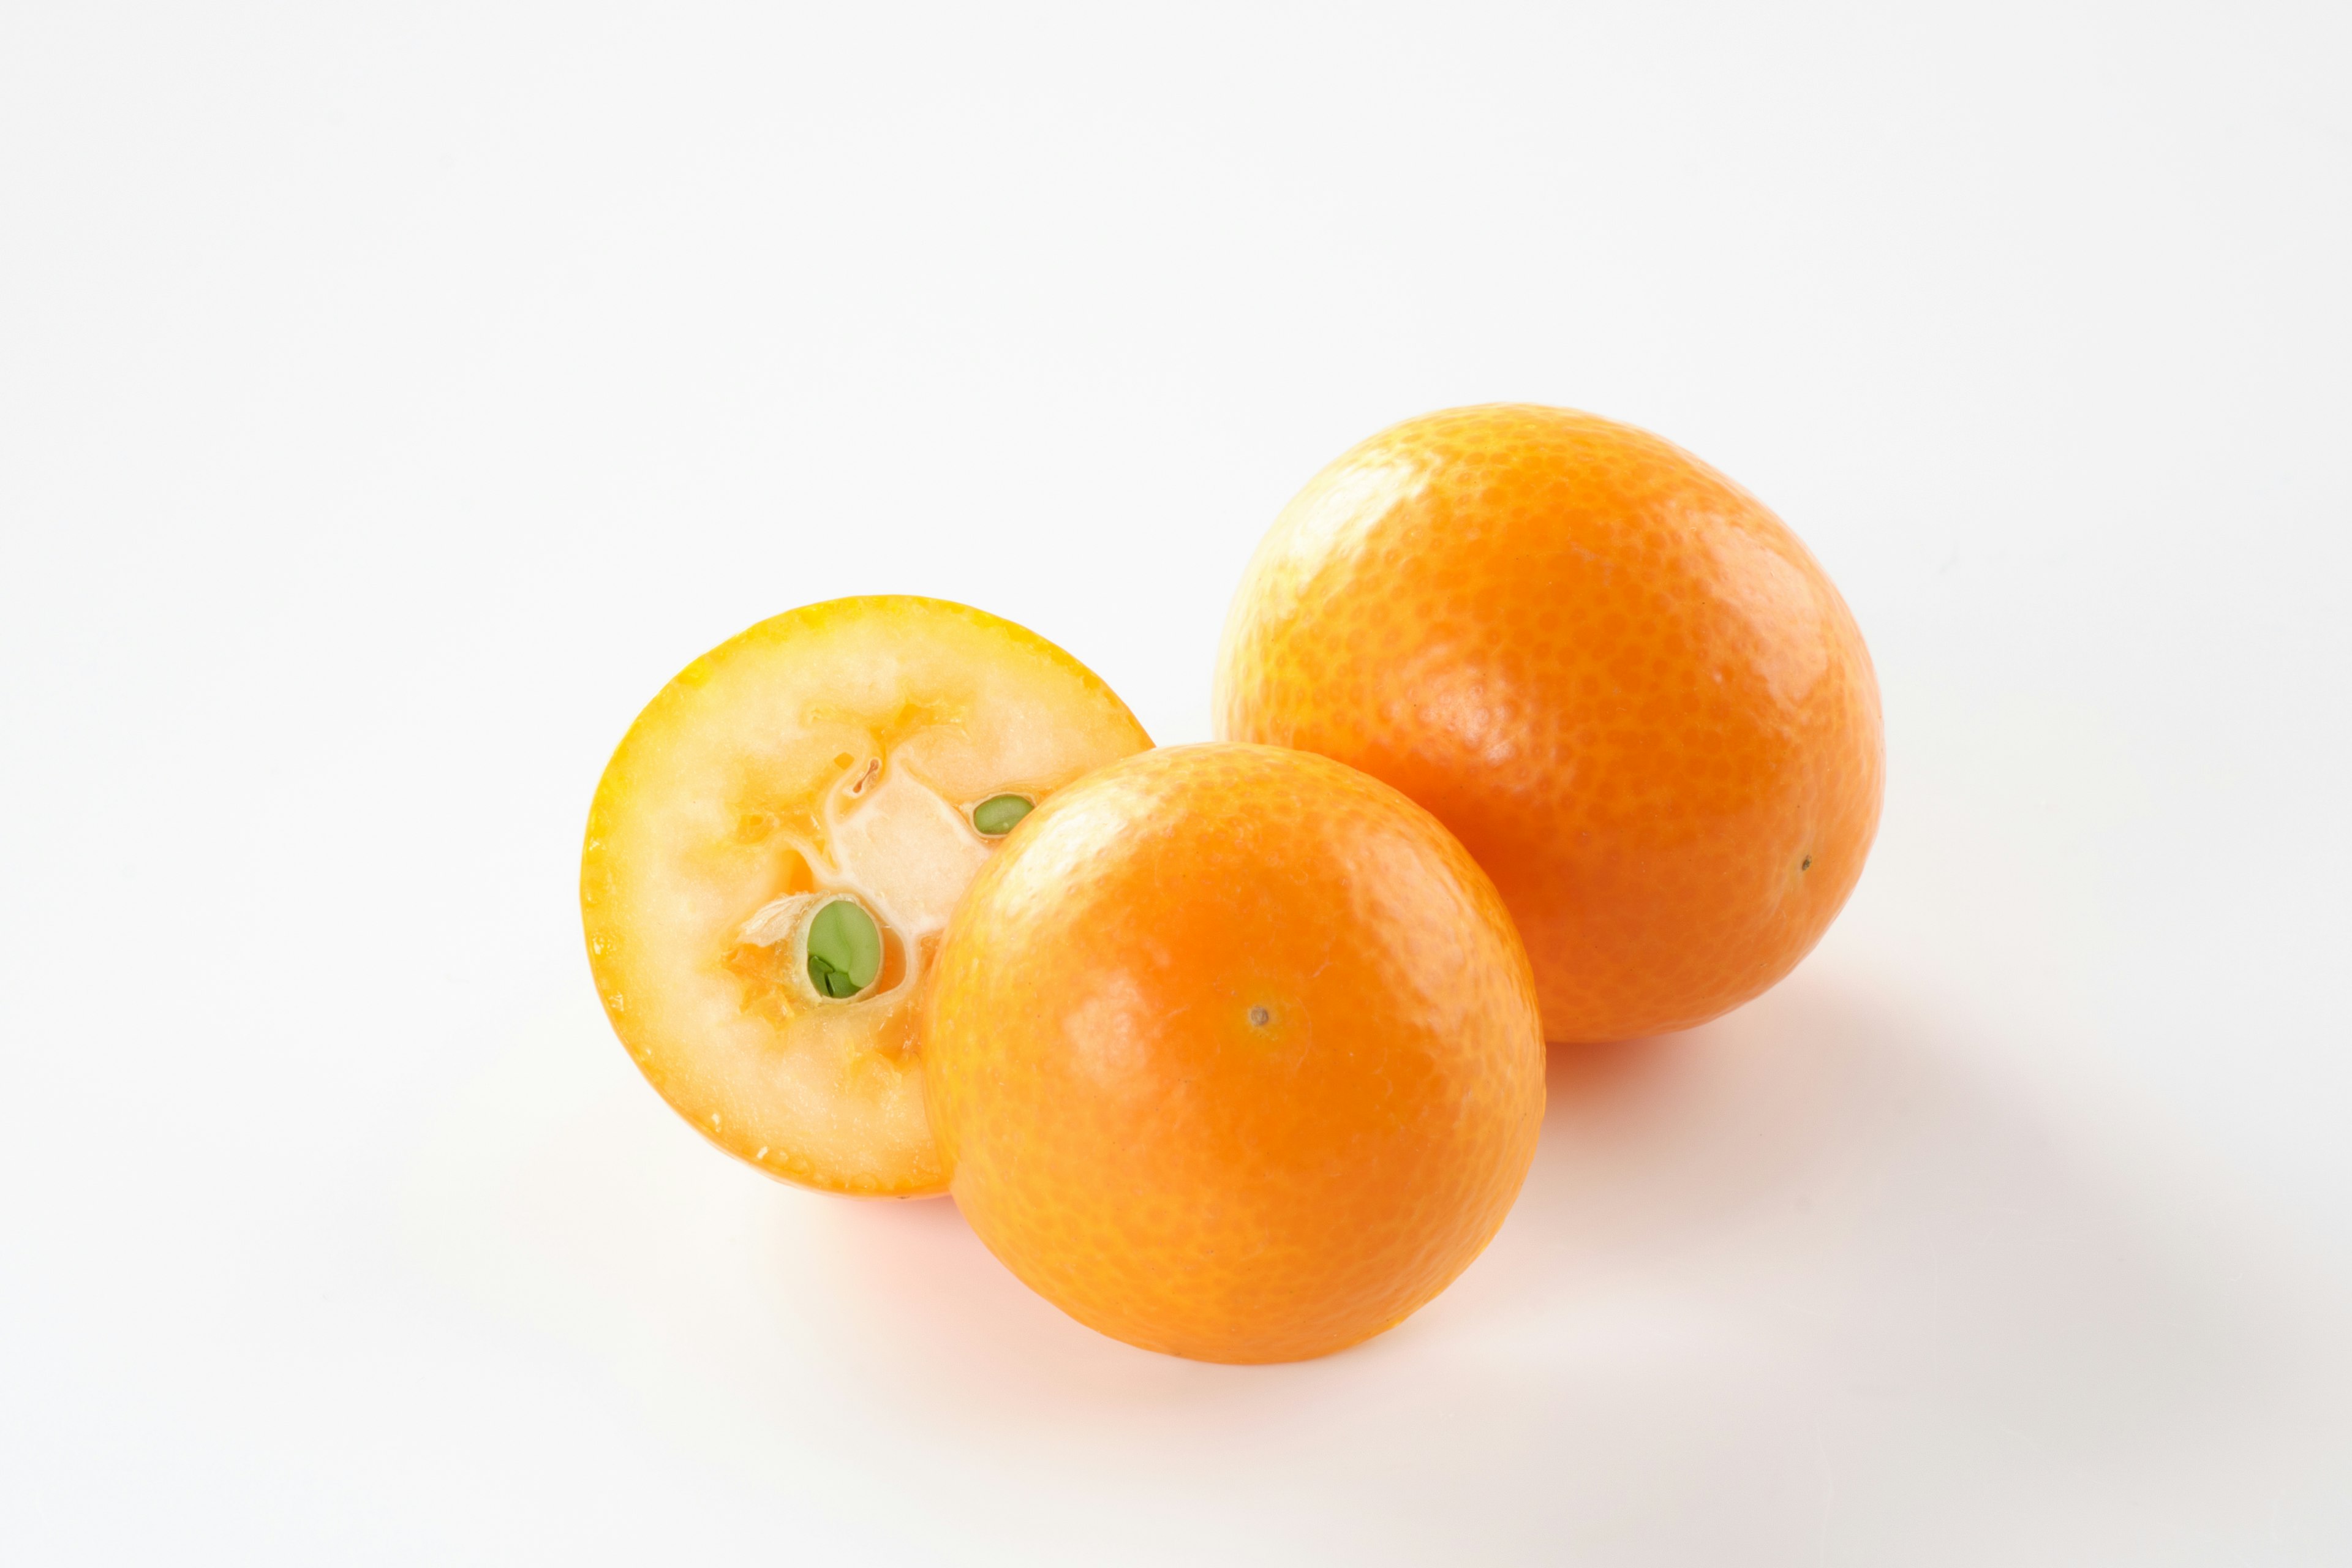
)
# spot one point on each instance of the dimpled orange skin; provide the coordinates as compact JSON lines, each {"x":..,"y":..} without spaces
{"x":1234,"y":1054}
{"x":1612,"y":672}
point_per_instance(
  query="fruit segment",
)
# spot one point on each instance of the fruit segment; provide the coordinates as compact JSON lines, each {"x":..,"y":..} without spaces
{"x":775,"y":850}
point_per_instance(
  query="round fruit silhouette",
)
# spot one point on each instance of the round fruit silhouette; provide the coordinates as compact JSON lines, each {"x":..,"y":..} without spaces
{"x":1234,"y":1054}
{"x":1618,"y":678}
{"x":774,"y":849}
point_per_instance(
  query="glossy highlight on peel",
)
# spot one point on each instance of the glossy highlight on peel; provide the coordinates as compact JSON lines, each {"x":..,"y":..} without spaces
{"x":1614,"y":674}
{"x":1234,"y":1054}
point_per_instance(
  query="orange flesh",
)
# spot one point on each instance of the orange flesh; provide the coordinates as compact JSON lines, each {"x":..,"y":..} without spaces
{"x":1235,"y":1054}
{"x":834,"y":751}
{"x":1613,"y":673}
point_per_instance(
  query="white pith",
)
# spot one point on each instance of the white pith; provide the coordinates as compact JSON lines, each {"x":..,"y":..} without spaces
{"x":899,"y":849}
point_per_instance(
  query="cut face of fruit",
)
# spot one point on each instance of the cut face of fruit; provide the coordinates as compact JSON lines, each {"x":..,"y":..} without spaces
{"x":776,"y":847}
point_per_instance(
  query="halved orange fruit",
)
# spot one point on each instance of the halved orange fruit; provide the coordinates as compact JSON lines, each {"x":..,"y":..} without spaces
{"x":774,"y":850}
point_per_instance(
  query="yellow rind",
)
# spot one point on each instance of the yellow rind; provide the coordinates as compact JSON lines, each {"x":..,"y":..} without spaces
{"x":725,"y":794}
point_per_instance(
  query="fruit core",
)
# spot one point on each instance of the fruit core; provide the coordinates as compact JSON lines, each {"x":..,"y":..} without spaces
{"x":866,"y":884}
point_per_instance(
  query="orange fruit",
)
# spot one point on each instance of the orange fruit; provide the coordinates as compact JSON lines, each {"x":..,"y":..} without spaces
{"x":774,"y":849}
{"x":1612,"y":672}
{"x":1234,"y":1054}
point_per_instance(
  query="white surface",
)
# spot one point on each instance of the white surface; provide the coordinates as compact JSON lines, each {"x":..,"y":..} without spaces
{"x":388,"y":406}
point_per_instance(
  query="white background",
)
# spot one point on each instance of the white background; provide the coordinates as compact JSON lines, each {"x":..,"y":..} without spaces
{"x":390,"y":404}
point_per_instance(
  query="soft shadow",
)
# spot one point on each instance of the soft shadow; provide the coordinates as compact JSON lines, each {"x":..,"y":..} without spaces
{"x":933,"y":1316}
{"x":1819,"y":1262}
{"x":1825,"y":1192}
{"x":1836,"y":1176}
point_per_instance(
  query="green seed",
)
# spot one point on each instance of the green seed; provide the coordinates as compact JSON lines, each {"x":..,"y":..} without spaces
{"x":845,"y":950}
{"x":829,"y":981}
{"x":996,"y":815}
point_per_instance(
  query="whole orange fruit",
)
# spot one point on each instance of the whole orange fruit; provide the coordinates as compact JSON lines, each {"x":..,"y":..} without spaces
{"x":1234,"y":1054}
{"x":1612,"y":672}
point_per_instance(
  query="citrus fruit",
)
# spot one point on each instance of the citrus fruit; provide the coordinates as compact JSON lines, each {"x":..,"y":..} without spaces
{"x":1612,"y":672}
{"x":773,"y":852}
{"x":1234,"y":1054}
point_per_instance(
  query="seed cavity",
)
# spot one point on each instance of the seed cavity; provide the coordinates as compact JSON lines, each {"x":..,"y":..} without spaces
{"x":873,"y":766}
{"x":845,"y":950}
{"x":1260,"y":1016}
{"x":998,"y":815}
